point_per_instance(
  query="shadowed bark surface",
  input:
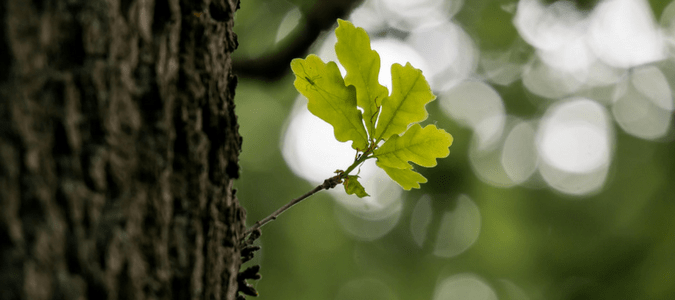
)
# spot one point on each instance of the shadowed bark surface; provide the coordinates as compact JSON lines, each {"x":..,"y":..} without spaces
{"x":119,"y":145}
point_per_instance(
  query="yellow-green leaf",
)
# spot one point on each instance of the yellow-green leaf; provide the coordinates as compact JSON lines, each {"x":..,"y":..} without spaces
{"x":419,"y":145}
{"x":354,"y":187}
{"x":406,"y":178}
{"x":329,"y":98}
{"x":405,"y":106}
{"x":390,"y":118}
{"x":363,"y":67}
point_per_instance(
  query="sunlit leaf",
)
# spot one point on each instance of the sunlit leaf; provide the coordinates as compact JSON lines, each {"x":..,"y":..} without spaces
{"x":405,"y":105}
{"x":418,"y":145}
{"x":329,"y":98}
{"x":354,"y":187}
{"x":406,"y":178}
{"x":391,"y":118}
{"x":363,"y":67}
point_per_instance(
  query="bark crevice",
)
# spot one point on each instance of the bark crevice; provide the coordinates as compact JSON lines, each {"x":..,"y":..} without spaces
{"x":119,"y":145}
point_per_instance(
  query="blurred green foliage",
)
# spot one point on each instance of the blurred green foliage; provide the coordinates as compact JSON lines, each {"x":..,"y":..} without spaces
{"x":534,"y":242}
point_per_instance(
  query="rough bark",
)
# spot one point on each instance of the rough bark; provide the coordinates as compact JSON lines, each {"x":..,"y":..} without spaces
{"x":118,"y":149}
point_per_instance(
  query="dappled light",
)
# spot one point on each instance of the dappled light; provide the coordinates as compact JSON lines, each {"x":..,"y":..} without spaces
{"x":369,"y":225}
{"x":390,"y":50}
{"x":478,"y":106}
{"x":568,"y":60}
{"x":575,"y":143}
{"x":559,"y":173}
{"x":488,"y":162}
{"x":288,"y":23}
{"x":643,"y":104}
{"x":372,"y":217}
{"x":395,"y":51}
{"x":520,"y":158}
{"x":458,"y":229}
{"x":545,"y":81}
{"x":574,"y":136}
{"x":309,"y":148}
{"x":549,"y":27}
{"x":623,"y":33}
{"x":312,"y":153}
{"x":464,"y":287}
{"x":448,"y":51}
{"x":414,"y":14}
{"x":420,"y":218}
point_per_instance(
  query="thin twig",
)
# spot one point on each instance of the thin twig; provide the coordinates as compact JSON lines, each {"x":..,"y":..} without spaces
{"x":326,"y":185}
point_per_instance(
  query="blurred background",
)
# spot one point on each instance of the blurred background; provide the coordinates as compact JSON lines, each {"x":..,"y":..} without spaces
{"x":560,"y":181}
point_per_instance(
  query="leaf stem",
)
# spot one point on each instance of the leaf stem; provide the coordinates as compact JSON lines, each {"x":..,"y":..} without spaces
{"x":327,"y":184}
{"x":356,"y":163}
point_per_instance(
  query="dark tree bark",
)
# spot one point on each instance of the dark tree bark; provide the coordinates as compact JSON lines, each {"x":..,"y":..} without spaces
{"x":118,"y":149}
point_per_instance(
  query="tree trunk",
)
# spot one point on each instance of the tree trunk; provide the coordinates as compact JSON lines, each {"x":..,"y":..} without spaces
{"x":118,"y":149}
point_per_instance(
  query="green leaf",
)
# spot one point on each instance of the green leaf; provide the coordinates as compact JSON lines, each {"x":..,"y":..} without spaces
{"x":406,"y":178}
{"x":329,"y":98}
{"x":353,"y":186}
{"x":410,"y":93}
{"x":386,"y":117}
{"x":419,"y":145}
{"x":363,"y":67}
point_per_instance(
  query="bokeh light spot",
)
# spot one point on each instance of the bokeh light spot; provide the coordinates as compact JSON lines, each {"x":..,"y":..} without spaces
{"x":546,"y":81}
{"x":288,"y":23}
{"x":487,"y":163}
{"x":449,"y":52}
{"x":371,"y":217}
{"x":309,"y":146}
{"x":623,"y":33}
{"x":548,"y":27}
{"x":459,"y":228}
{"x":575,"y":142}
{"x":412,"y":14}
{"x":519,"y":155}
{"x":476,"y":105}
{"x":464,"y":287}
{"x":573,"y":136}
{"x":420,"y":220}
{"x":395,"y":51}
{"x":643,"y":104}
